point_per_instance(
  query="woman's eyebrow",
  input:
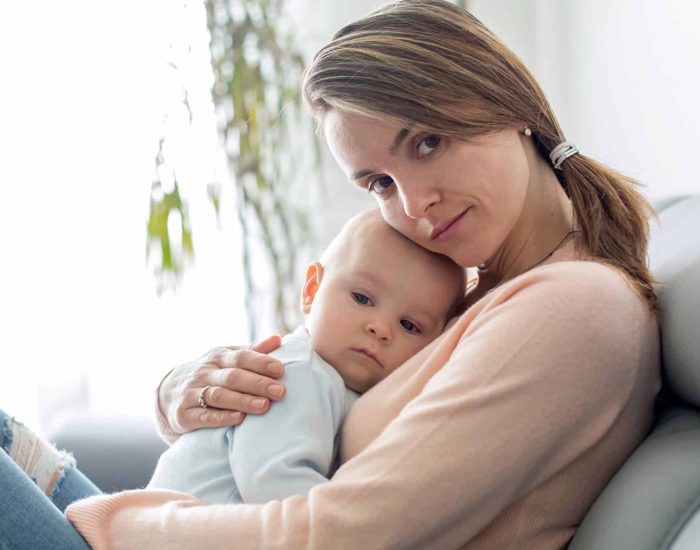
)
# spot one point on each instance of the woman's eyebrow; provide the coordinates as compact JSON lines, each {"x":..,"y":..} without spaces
{"x":398,"y":139}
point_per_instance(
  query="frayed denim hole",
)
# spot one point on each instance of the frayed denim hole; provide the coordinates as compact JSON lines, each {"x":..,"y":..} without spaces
{"x":6,"y":435}
{"x":67,"y":462}
{"x":58,"y":485}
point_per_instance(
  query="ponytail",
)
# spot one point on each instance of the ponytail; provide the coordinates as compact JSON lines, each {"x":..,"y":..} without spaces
{"x":613,"y":219}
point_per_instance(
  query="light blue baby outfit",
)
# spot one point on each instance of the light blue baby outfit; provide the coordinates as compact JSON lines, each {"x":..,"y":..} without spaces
{"x":282,"y":453}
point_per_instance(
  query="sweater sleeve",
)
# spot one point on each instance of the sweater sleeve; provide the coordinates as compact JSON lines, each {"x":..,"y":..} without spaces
{"x":525,"y":391}
{"x":289,"y":450}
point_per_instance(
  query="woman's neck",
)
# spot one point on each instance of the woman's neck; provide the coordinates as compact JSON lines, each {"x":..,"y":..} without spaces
{"x":543,"y":226}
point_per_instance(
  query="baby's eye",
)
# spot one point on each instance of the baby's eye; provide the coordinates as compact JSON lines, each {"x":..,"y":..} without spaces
{"x":380,"y":185}
{"x":410,"y":326}
{"x":428,"y":144}
{"x":362,"y":299}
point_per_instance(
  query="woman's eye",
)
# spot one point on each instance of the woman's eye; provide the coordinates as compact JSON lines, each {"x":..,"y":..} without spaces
{"x":362,"y":299}
{"x":380,"y":185}
{"x":428,"y":144}
{"x":410,"y":326}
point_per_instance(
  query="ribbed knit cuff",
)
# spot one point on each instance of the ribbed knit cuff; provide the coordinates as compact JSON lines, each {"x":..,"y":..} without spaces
{"x":122,"y":520}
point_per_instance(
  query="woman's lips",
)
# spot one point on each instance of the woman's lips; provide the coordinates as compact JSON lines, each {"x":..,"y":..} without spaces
{"x":450,"y":228}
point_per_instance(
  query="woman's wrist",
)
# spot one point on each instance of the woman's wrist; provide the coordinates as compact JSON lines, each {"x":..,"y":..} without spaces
{"x":162,"y":395}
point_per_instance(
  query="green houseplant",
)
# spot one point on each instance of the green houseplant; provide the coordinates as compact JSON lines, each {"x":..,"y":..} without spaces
{"x":257,"y":72}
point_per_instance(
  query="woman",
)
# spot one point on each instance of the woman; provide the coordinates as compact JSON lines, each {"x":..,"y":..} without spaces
{"x":502,"y":432}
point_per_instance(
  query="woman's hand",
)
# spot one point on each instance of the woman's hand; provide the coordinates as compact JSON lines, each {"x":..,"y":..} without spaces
{"x":239,"y":381}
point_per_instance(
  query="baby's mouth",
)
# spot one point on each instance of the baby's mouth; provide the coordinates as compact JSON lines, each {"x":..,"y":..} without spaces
{"x":369,"y":354}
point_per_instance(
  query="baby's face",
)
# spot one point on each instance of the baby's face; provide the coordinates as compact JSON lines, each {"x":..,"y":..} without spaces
{"x":378,"y":305}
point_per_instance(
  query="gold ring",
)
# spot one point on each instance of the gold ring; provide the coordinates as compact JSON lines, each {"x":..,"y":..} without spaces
{"x":202,"y":398}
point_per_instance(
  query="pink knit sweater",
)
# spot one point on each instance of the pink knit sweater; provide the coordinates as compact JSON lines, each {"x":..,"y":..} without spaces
{"x":498,"y":435}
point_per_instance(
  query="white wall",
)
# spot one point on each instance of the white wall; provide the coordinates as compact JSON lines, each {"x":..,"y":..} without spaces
{"x":622,"y":75}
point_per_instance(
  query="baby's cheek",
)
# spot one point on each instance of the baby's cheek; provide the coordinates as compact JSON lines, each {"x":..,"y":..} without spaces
{"x":420,"y":345}
{"x":322,"y":343}
{"x":405,"y":355}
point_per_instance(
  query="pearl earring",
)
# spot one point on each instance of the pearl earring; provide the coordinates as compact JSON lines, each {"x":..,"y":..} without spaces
{"x":527,"y":132}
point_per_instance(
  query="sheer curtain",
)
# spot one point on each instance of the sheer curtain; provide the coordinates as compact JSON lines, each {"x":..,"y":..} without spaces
{"x":88,"y":89}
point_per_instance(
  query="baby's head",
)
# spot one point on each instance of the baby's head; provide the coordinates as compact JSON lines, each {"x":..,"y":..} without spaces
{"x":375,"y":298}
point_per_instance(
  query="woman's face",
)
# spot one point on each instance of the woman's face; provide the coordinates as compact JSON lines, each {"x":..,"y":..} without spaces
{"x":461,"y":199}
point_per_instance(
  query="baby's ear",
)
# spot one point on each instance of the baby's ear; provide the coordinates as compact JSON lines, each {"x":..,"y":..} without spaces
{"x":314,"y":274}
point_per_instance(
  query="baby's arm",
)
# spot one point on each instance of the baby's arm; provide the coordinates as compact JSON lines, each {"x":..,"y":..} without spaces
{"x":289,"y":450}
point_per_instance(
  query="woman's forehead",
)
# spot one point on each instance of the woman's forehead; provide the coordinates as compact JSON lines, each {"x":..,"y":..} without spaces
{"x":346,"y":125}
{"x":356,"y":139}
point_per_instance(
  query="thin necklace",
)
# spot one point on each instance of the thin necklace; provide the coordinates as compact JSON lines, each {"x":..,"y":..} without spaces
{"x":538,"y":262}
{"x":546,"y":256}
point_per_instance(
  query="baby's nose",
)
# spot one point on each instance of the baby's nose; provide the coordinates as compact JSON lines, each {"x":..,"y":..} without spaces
{"x":379,"y":330}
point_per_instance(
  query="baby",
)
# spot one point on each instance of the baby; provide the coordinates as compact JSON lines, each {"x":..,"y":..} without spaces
{"x":372,"y":301}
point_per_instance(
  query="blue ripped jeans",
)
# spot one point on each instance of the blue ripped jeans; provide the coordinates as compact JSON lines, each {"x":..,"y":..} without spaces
{"x":30,"y":519}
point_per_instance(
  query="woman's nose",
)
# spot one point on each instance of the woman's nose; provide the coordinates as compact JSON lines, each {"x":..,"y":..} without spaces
{"x":417,"y":198}
{"x":379,"y":330}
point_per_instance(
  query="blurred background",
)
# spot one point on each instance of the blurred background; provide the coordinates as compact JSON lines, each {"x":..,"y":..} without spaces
{"x":144,"y":216}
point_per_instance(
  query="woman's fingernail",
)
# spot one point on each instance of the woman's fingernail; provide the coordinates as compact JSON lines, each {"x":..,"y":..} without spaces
{"x":236,"y":417}
{"x":258,"y":403}
{"x":276,"y":390}
{"x":274,"y":368}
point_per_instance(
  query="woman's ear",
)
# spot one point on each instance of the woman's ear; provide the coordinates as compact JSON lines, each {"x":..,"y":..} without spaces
{"x":314,"y":274}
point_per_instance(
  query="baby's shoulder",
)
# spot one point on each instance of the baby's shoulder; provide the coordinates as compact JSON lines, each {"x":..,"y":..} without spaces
{"x":309,"y":369}
{"x":317,"y":383}
{"x":295,"y":347}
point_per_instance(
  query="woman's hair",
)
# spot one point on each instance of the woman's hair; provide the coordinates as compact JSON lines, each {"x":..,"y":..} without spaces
{"x":431,"y":65}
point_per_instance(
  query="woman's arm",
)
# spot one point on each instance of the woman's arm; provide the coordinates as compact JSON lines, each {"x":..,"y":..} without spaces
{"x":530,"y":391}
{"x":238,"y":379}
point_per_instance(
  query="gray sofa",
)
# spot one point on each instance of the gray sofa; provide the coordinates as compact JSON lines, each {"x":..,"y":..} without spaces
{"x":115,"y":452}
{"x":652,"y":503}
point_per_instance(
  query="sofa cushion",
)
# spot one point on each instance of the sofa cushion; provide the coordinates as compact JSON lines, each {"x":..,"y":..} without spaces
{"x":116,"y":452}
{"x":674,"y":255}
